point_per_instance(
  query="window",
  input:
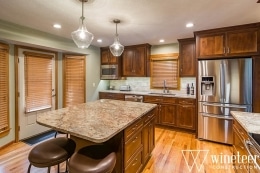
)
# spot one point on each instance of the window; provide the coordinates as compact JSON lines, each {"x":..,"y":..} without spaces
{"x":4,"y":88}
{"x":74,"y":80}
{"x":164,"y":67}
{"x":38,"y":81}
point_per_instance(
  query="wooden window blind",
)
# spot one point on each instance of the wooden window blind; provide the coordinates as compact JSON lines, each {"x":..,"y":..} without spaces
{"x":74,"y":80}
{"x":164,"y":67}
{"x":4,"y":88}
{"x":38,"y":81}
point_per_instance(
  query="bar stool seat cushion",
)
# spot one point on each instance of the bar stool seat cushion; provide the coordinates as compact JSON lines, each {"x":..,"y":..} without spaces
{"x":93,"y":159}
{"x":52,"y":152}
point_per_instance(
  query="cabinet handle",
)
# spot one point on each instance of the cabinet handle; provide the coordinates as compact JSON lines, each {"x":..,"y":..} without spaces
{"x":134,"y":139}
{"x":224,"y":50}
{"x":135,"y":162}
{"x":228,"y":50}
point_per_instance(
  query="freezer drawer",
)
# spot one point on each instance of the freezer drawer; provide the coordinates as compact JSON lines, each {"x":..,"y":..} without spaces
{"x":215,"y":128}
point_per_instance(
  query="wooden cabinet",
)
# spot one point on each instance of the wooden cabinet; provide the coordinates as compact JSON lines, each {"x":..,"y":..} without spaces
{"x":239,"y":136}
{"x":139,"y":143}
{"x":114,"y":96}
{"x":175,"y":112}
{"x":256,"y":84}
{"x":236,"y":41}
{"x":156,"y":100}
{"x":187,"y":65}
{"x":186,"y":114}
{"x":107,"y":57}
{"x":148,"y":135}
{"x":168,"y":114}
{"x":135,"y":60}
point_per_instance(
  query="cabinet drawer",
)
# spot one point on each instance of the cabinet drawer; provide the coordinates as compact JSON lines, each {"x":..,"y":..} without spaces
{"x":135,"y":165}
{"x":241,"y":131}
{"x":170,"y":100}
{"x":187,"y":101}
{"x":152,"y":99}
{"x":115,"y":96}
{"x":132,"y":129}
{"x":149,"y":116}
{"x":132,"y":145}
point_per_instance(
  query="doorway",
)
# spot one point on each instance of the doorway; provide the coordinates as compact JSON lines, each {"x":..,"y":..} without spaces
{"x":36,"y":87}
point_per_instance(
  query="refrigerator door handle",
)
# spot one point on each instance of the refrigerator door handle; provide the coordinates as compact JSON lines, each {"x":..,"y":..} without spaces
{"x":217,"y":116}
{"x":222,"y":82}
{"x":224,"y":105}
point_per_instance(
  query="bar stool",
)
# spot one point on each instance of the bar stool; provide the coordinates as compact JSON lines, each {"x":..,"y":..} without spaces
{"x":51,"y":152}
{"x":93,"y":159}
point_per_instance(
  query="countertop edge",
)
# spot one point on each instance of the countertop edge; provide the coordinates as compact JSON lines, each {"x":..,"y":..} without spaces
{"x":149,"y":93}
{"x":248,"y":121}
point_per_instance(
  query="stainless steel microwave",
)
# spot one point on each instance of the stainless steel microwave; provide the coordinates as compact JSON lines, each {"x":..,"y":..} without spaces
{"x":109,"y":72}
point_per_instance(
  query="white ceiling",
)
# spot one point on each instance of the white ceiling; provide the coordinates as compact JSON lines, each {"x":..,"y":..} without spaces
{"x":142,"y":21}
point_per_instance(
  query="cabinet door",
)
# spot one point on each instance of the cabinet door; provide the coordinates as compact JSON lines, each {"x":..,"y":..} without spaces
{"x":146,"y":141}
{"x":107,"y":57}
{"x":168,"y":114}
{"x":256,"y":84}
{"x":186,"y":117}
{"x":187,"y":58}
{"x":128,"y":56}
{"x":243,"y":42}
{"x":151,"y":135}
{"x":239,"y":148}
{"x":135,"y":61}
{"x":139,"y":62}
{"x":210,"y":46}
{"x":104,"y":57}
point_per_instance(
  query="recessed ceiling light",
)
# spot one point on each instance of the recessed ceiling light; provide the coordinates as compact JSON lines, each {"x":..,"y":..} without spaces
{"x":99,"y":40}
{"x":189,"y":25}
{"x":161,"y":41}
{"x":58,"y":26}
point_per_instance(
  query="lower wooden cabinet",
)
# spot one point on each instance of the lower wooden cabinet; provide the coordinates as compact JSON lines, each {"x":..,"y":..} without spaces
{"x":139,"y":143}
{"x":168,"y":114}
{"x":175,"y":112}
{"x":148,"y":136}
{"x":186,"y":114}
{"x":239,"y":136}
{"x":114,"y":96}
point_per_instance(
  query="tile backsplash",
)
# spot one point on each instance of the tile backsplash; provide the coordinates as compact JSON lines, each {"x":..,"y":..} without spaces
{"x":143,"y":84}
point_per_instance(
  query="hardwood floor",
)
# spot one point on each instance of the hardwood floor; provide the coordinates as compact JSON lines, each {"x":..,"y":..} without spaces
{"x":167,"y":156}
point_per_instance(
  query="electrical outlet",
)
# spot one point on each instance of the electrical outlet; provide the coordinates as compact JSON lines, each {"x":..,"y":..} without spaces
{"x":94,"y":84}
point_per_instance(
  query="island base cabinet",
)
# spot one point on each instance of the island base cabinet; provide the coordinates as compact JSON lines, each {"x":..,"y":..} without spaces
{"x":136,"y":164}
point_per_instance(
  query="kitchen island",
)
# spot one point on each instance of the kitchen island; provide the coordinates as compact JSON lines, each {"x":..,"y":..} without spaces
{"x":128,"y":127}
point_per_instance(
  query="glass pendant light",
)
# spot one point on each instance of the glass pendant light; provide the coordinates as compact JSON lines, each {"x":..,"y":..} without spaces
{"x":116,"y":48}
{"x":82,"y":37}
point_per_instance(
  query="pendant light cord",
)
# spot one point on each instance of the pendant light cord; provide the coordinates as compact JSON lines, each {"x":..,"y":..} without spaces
{"x":82,"y":16}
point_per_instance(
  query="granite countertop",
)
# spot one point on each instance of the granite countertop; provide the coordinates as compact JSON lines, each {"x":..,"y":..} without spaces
{"x":249,"y":121}
{"x":152,"y":93}
{"x":96,"y":121}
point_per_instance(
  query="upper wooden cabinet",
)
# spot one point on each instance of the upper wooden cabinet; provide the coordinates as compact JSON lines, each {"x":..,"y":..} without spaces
{"x":187,"y":57}
{"x":135,"y":60}
{"x":107,"y":57}
{"x":233,"y":41}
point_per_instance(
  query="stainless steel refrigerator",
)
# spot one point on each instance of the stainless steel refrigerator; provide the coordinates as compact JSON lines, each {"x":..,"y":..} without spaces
{"x":223,"y":85}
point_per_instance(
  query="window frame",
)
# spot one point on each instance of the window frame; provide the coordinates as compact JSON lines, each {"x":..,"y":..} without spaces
{"x":65,"y":57}
{"x":164,"y":57}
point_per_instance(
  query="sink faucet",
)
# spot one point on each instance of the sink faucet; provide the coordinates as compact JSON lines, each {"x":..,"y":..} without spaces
{"x":165,"y":90}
